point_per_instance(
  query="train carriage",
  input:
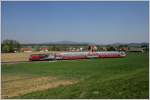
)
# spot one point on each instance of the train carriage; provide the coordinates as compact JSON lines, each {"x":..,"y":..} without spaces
{"x":76,"y":55}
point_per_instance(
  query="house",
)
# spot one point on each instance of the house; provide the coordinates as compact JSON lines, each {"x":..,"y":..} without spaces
{"x":124,"y":49}
{"x":81,"y":49}
{"x":92,"y":48}
{"x":44,"y":49}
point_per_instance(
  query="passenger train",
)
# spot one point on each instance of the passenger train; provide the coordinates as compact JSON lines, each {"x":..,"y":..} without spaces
{"x":76,"y":55}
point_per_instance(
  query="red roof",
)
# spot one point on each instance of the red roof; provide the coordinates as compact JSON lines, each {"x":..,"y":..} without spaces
{"x":44,"y":48}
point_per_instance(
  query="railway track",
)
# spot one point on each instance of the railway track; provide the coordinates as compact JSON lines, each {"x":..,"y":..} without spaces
{"x":16,"y":62}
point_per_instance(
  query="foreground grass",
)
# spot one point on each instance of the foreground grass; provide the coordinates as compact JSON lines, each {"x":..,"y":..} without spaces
{"x":97,"y":78}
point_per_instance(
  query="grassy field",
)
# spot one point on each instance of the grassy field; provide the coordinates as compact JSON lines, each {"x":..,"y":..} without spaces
{"x":92,"y":78}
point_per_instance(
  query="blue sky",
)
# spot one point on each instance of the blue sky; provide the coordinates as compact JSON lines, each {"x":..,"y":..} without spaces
{"x":97,"y":22}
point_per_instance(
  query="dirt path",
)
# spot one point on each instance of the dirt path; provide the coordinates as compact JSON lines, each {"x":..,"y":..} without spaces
{"x":15,"y":86}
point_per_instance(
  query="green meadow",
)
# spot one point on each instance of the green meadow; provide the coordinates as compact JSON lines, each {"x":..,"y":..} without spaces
{"x":109,"y":78}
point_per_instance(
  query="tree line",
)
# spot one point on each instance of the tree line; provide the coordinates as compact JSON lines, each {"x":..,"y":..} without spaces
{"x":9,"y":46}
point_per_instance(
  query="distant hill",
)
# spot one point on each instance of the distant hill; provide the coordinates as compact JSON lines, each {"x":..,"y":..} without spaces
{"x":67,"y":42}
{"x":130,"y":44}
{"x":88,"y":43}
